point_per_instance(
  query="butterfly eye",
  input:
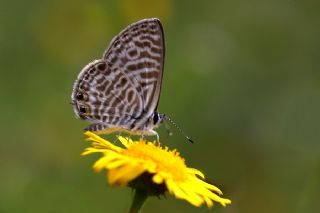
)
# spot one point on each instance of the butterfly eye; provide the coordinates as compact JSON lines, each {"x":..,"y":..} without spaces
{"x":83,"y":109}
{"x":155,"y":118}
{"x":81,"y":96}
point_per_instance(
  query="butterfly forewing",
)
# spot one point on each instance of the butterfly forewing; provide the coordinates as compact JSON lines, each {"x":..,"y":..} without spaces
{"x":139,"y":51}
{"x":122,"y":89}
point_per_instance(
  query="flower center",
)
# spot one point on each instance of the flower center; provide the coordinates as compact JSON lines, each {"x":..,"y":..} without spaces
{"x":166,"y":161}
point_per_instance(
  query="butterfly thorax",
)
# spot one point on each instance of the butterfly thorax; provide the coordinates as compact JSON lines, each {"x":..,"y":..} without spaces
{"x":143,"y":126}
{"x":154,"y":121}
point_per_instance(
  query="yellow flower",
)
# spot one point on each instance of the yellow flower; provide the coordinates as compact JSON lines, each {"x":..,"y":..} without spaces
{"x":155,"y":169}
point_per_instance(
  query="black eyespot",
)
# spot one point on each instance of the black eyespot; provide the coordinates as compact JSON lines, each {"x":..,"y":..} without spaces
{"x":92,"y":70}
{"x":102,"y":67}
{"x":80,"y":96}
{"x":82,"y":109}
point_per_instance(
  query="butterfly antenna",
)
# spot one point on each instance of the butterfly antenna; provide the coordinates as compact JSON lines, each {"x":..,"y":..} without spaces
{"x":180,"y":130}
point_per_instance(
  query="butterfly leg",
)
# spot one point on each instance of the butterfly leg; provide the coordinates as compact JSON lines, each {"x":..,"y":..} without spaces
{"x":142,"y":136}
{"x":117,"y":137}
{"x":152,"y":132}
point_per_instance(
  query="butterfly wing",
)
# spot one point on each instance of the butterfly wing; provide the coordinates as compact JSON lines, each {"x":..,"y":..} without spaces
{"x":104,"y":95}
{"x":139,"y":52}
{"x":123,"y":88}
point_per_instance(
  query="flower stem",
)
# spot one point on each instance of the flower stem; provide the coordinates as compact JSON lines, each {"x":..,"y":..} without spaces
{"x":139,"y":198}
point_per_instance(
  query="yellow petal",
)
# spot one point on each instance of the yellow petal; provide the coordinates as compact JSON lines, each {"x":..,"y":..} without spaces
{"x":196,"y":172}
{"x":125,"y":141}
{"x":102,"y":142}
{"x":121,"y":176}
{"x":157,"y":179}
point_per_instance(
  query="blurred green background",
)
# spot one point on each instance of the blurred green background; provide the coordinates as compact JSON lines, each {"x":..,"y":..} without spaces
{"x":242,"y":78}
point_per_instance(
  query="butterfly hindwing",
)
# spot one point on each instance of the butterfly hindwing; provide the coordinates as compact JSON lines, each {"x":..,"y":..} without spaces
{"x":107,"y":95}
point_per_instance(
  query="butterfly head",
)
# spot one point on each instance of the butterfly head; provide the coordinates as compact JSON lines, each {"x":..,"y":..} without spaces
{"x":157,"y":119}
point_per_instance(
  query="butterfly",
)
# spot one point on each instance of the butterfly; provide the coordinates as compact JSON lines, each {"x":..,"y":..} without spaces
{"x":121,"y":91}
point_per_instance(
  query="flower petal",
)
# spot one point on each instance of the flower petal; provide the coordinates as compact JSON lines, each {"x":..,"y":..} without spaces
{"x":102,"y":142}
{"x":125,"y":141}
{"x":122,"y":175}
{"x":196,"y":172}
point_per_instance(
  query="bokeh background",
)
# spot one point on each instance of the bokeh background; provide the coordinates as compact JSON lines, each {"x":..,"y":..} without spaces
{"x":242,"y":78}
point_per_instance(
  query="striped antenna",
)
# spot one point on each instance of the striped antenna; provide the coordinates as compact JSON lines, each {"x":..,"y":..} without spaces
{"x":180,"y":130}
